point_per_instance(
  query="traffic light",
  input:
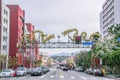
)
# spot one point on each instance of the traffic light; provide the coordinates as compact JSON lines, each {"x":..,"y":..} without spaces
{"x":78,"y":39}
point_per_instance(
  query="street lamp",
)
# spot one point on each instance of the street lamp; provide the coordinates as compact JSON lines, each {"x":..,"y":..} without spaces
{"x":58,"y":38}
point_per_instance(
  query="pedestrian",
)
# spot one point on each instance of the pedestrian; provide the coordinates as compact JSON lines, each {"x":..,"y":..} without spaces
{"x":103,"y":71}
{"x":15,"y":74}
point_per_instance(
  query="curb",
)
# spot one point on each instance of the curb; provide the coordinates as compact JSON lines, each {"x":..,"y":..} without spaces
{"x":112,"y":77}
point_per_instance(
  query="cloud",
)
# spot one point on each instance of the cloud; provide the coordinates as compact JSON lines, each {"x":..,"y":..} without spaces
{"x":55,"y":16}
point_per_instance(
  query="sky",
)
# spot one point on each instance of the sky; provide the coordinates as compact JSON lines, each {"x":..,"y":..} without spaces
{"x":56,"y":16}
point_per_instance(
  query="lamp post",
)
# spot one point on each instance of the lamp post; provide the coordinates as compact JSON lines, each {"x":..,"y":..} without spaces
{"x":58,"y":38}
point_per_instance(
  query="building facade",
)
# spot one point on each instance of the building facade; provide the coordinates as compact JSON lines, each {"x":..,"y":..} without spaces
{"x":110,"y":15}
{"x":30,"y":51}
{"x":4,"y":33}
{"x":17,"y":17}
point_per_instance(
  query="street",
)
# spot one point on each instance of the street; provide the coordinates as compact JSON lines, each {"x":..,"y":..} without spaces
{"x":57,"y":74}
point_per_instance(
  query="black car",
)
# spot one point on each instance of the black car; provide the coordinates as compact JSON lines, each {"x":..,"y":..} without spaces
{"x":36,"y":72}
{"x":29,"y":70}
{"x":45,"y":69}
{"x":64,"y":68}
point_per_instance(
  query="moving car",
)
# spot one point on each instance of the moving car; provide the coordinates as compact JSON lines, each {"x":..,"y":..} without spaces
{"x":7,"y":73}
{"x":64,"y":68}
{"x":58,"y":67}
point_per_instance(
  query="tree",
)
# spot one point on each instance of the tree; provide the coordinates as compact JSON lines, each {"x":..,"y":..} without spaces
{"x":13,"y":61}
{"x":115,"y":56}
{"x":39,"y":62}
{"x":2,"y":61}
{"x":49,"y":62}
{"x":114,"y":31}
{"x":83,"y":59}
{"x":103,"y":50}
{"x":68,"y":62}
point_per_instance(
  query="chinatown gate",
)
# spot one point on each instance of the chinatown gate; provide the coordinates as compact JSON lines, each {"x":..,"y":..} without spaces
{"x":42,"y":40}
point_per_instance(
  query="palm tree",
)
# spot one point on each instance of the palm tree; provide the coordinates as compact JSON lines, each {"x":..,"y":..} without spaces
{"x":13,"y":61}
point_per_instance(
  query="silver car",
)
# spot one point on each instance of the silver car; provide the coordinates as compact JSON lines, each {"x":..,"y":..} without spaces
{"x":7,"y":73}
{"x":21,"y":71}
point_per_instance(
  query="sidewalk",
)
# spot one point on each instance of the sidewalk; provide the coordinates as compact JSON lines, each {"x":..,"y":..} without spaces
{"x":112,"y":76}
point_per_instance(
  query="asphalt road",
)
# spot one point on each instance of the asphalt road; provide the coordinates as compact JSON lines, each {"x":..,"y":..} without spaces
{"x":57,"y":74}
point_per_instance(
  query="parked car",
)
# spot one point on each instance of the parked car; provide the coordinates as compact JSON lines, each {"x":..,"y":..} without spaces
{"x":89,"y":71}
{"x":97,"y":72}
{"x":21,"y":71}
{"x":86,"y":71}
{"x":79,"y":69}
{"x":36,"y":72}
{"x":45,"y":69}
{"x":29,"y":70}
{"x":7,"y":73}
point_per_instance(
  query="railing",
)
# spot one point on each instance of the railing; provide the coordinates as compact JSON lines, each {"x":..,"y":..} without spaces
{"x":58,"y":45}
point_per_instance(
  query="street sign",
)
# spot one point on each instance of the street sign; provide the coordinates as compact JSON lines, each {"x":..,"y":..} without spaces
{"x":87,"y":43}
{"x":119,"y":39}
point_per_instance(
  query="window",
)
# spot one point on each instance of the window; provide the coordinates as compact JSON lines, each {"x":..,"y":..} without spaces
{"x":4,"y":11}
{"x":5,"y":30}
{"x":4,"y":20}
{"x":3,"y":38}
{"x":4,"y":47}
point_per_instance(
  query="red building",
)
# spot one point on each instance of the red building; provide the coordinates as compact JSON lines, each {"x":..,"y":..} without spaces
{"x":17,"y":16}
{"x":18,"y":29}
{"x":30,"y":51}
{"x":33,"y":51}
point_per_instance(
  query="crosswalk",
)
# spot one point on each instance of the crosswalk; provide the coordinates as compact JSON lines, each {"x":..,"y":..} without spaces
{"x":60,"y":75}
{"x":81,"y":78}
{"x":52,"y":77}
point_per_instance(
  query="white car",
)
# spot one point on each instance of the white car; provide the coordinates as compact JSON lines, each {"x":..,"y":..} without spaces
{"x":21,"y":71}
{"x":7,"y":73}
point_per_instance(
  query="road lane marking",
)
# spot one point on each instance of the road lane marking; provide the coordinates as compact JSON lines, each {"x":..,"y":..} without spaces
{"x":72,"y":77}
{"x":61,"y":76}
{"x":52,"y":76}
{"x":93,"y":78}
{"x":109,"y":79}
{"x":42,"y":76}
{"x":83,"y":78}
{"x":61,"y":72}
